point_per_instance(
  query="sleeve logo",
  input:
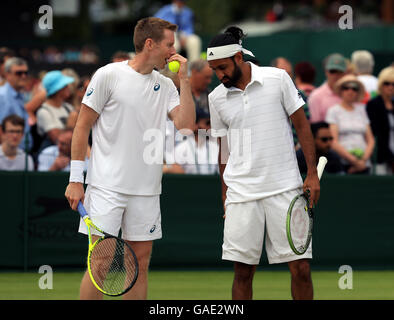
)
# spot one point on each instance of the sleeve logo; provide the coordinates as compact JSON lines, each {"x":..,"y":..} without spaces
{"x":90,"y":92}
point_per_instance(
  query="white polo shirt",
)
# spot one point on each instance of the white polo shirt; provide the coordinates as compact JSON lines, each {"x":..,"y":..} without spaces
{"x":129,"y":134}
{"x":262,"y":159}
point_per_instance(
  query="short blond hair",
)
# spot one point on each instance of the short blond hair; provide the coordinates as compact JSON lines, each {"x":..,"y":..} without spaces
{"x":152,"y":28}
{"x":387,"y":74}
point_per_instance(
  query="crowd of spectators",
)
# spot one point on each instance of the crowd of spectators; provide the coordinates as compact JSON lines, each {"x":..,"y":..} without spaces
{"x":87,"y":54}
{"x":351,"y":115}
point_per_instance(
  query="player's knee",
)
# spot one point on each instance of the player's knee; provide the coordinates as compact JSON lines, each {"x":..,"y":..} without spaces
{"x":243,"y":273}
{"x":300,"y":271}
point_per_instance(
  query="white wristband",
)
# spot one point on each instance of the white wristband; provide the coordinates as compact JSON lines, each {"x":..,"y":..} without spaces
{"x":76,"y":171}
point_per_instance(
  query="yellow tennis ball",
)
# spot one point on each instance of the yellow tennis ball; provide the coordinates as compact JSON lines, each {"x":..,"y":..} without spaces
{"x":174,"y":66}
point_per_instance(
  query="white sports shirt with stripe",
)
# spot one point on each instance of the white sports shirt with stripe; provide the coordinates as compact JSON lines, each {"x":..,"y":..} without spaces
{"x":262,"y":159}
{"x":129,"y":134}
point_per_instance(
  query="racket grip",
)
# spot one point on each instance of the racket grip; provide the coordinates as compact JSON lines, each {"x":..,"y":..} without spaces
{"x":320,"y":166}
{"x":81,"y":210}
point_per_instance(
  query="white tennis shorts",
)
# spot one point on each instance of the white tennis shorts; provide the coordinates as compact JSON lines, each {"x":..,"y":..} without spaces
{"x":247,"y":222}
{"x":138,"y":217}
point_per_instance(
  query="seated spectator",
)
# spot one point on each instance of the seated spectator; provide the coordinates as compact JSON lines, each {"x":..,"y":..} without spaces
{"x":323,"y":144}
{"x":324,"y":97}
{"x":185,"y":39}
{"x":200,"y":79}
{"x":364,"y":62}
{"x":350,"y":126}
{"x":381,"y":114}
{"x":305,"y":74}
{"x":195,"y":154}
{"x":54,"y":113}
{"x":12,"y":158}
{"x":11,"y":97}
{"x":58,"y":157}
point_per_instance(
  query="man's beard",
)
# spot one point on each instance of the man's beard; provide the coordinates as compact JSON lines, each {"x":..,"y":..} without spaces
{"x":232,"y":81}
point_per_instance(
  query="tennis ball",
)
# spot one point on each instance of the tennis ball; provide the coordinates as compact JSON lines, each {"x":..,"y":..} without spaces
{"x":174,"y":66}
{"x":357,"y":152}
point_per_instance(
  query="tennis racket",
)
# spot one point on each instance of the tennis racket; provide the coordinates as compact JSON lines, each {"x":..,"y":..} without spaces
{"x":112,"y":264}
{"x":299,"y":222}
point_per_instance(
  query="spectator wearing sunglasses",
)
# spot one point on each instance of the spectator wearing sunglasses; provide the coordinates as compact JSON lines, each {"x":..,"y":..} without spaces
{"x":11,"y":97}
{"x":350,"y":126}
{"x":324,"y":97}
{"x":323,"y":145}
{"x":381,"y":114}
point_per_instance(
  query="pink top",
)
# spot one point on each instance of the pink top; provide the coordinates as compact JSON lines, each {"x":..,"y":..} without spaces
{"x":320,"y":100}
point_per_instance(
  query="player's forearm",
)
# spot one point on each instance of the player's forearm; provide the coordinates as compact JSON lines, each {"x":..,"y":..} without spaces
{"x":87,"y":117}
{"x":187,"y":114}
{"x":305,"y":138}
{"x":79,"y":144}
{"x":308,"y":148}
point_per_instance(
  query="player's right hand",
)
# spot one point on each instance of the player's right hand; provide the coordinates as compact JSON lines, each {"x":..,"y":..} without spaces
{"x":75,"y":193}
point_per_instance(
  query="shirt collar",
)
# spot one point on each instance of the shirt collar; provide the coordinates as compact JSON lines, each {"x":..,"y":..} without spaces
{"x":256,"y":76}
{"x":13,"y":92}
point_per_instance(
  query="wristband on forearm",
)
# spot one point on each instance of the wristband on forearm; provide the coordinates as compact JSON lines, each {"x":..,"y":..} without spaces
{"x":76,"y":171}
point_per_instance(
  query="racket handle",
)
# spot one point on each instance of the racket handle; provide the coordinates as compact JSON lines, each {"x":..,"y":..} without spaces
{"x":81,"y":210}
{"x":320,"y":166}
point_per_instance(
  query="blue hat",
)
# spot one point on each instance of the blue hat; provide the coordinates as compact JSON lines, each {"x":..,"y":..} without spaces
{"x":55,"y":81}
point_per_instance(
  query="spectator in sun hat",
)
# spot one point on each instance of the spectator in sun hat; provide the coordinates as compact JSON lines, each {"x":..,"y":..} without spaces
{"x":53,"y":114}
{"x":324,"y":97}
{"x":350,"y":126}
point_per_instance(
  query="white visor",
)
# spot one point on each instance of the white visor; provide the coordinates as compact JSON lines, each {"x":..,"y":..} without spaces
{"x":227,"y":51}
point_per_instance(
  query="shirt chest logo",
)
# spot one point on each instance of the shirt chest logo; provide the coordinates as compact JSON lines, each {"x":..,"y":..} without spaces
{"x":156,"y":87}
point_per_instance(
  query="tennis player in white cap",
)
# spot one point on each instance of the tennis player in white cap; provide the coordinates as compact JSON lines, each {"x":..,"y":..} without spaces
{"x":251,"y":111}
